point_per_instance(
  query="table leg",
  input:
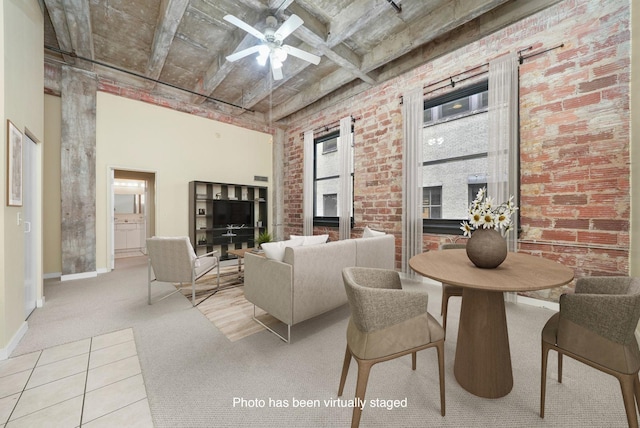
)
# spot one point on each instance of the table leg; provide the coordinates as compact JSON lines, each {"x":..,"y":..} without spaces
{"x":240,"y":275}
{"x":483,"y":360}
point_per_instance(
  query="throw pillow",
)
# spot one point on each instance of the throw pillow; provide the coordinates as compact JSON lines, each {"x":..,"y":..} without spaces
{"x":311,"y":239}
{"x":275,"y":250}
{"x":370,"y":233}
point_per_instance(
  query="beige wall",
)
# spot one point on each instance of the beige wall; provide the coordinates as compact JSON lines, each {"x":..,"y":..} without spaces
{"x":178,"y":148}
{"x":52,"y":263}
{"x":634,"y":262}
{"x":21,"y":83}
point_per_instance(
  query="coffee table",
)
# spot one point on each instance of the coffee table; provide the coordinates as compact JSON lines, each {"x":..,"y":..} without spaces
{"x":483,"y":361}
{"x":239,"y":253}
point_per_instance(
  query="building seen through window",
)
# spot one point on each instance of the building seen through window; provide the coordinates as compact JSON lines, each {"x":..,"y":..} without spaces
{"x":454,"y":152}
{"x":327,"y":179}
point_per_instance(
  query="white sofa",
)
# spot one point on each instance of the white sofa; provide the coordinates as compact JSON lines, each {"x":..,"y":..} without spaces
{"x":308,"y":282}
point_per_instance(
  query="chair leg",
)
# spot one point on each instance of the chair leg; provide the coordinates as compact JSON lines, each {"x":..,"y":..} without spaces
{"x":627,"y":385}
{"x":636,"y":389}
{"x":413,"y":360}
{"x":559,"y":367}
{"x":445,"y":304}
{"x":345,"y":370}
{"x":543,"y":379}
{"x":364,"y":367}
{"x":440,"y":349}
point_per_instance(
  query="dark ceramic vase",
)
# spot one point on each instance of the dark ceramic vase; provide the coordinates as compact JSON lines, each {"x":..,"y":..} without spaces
{"x":487,"y":248}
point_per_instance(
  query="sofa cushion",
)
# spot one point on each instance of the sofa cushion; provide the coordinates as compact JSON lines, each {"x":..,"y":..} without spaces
{"x":370,"y":233}
{"x":275,"y":250}
{"x":311,"y":239}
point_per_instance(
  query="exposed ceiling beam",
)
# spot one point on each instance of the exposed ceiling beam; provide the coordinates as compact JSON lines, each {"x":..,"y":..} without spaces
{"x":170,"y":16}
{"x":220,"y":67}
{"x":72,"y":24}
{"x":355,"y":17}
{"x":496,"y":19}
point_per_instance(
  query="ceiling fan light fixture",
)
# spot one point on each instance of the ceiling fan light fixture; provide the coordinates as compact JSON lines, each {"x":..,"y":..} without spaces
{"x":280,"y":54}
{"x":263,"y":55}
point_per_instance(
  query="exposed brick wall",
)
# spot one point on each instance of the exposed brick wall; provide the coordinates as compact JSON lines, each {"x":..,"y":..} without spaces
{"x":574,"y":151}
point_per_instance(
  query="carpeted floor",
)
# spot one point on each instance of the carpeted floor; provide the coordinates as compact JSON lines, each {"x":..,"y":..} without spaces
{"x":196,"y":377}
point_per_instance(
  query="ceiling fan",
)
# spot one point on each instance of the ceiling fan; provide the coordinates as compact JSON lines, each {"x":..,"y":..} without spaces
{"x":271,"y":47}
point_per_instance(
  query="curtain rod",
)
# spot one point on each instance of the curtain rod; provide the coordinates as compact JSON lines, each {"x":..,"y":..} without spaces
{"x":141,"y":76}
{"x":452,"y":83}
{"x":331,"y":125}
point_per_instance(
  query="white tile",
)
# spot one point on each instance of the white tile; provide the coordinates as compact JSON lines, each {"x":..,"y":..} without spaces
{"x":62,"y":352}
{"x":58,"y":370}
{"x":13,"y":383}
{"x":113,"y":372}
{"x":18,"y":364}
{"x":62,"y":415}
{"x":112,"y":354}
{"x":49,"y":394}
{"x":136,"y":415}
{"x":113,"y":397}
{"x":110,"y":339}
{"x":6,"y":407}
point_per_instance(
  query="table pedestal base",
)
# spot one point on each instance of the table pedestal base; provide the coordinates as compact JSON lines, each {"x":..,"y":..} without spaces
{"x":483,"y":360}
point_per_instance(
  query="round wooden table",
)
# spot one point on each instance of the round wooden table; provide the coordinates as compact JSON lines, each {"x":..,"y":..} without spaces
{"x":483,"y":361}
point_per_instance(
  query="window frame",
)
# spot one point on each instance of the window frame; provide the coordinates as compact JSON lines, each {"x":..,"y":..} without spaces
{"x":329,"y":221}
{"x":440,"y":225}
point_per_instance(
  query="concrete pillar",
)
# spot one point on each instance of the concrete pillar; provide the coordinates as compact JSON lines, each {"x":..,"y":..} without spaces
{"x":78,"y":173}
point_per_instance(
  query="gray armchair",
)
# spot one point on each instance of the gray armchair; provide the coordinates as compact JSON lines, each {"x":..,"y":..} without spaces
{"x":449,"y":290}
{"x":596,"y":326}
{"x":386,"y":322}
{"x":172,"y":259}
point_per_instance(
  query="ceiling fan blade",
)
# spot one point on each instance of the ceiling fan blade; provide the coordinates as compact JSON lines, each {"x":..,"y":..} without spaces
{"x":288,"y":27}
{"x":277,"y":72}
{"x":241,"y":54}
{"x":243,"y":25}
{"x":314,"y":59}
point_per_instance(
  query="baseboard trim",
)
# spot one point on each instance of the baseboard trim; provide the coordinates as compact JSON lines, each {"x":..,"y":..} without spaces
{"x":103,"y":270}
{"x":13,"y":343}
{"x":52,"y":275}
{"x":82,"y":275}
{"x":40,"y":302}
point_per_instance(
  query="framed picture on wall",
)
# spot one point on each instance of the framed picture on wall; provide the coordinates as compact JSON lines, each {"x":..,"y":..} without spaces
{"x":14,"y":165}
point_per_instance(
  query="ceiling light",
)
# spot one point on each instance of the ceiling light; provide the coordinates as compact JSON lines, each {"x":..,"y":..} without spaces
{"x":457,"y":105}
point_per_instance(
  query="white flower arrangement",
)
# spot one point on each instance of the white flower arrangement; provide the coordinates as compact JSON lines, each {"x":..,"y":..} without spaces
{"x":484,"y":215}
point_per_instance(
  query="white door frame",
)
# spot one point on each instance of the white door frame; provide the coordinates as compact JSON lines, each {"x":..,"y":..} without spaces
{"x":110,"y":204}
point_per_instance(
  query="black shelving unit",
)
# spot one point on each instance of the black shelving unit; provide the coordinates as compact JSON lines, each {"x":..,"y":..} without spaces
{"x":225,"y":216}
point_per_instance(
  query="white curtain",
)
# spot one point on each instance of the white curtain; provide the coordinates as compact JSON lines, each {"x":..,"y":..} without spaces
{"x":412,"y":117}
{"x":345,"y":198}
{"x":502,"y":181}
{"x":307,"y":191}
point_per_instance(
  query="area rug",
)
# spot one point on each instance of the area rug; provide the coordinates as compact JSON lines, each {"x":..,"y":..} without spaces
{"x":227,"y":309}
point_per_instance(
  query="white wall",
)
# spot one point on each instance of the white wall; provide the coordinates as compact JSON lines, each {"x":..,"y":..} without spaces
{"x":179,"y":148}
{"x":21,"y":86}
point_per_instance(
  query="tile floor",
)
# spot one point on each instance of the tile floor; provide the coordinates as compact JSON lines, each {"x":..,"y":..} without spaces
{"x":95,"y":382}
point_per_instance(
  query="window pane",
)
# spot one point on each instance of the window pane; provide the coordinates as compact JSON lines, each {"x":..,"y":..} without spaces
{"x":453,"y":151}
{"x":330,"y":205}
{"x":327,"y":177}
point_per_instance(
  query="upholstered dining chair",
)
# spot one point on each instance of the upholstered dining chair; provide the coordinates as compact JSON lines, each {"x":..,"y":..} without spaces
{"x":172,"y":259}
{"x":596,"y":326}
{"x":449,"y":290}
{"x":386,"y":322}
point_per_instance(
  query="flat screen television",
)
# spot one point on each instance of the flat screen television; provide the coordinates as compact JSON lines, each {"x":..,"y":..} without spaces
{"x":232,"y":212}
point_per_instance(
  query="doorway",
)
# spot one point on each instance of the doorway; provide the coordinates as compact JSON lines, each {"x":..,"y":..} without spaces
{"x":132,"y":212}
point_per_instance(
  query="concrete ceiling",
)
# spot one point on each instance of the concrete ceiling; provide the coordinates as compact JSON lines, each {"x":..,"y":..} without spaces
{"x":183,"y":44}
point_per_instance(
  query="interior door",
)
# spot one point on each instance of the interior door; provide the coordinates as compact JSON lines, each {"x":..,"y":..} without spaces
{"x":28,"y":209}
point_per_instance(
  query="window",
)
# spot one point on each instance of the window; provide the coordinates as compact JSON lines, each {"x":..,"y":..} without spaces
{"x":455,"y":156}
{"x":326,"y":180}
{"x":432,"y":202}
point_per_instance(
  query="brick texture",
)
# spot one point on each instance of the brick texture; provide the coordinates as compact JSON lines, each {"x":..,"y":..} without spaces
{"x":574,"y":138}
